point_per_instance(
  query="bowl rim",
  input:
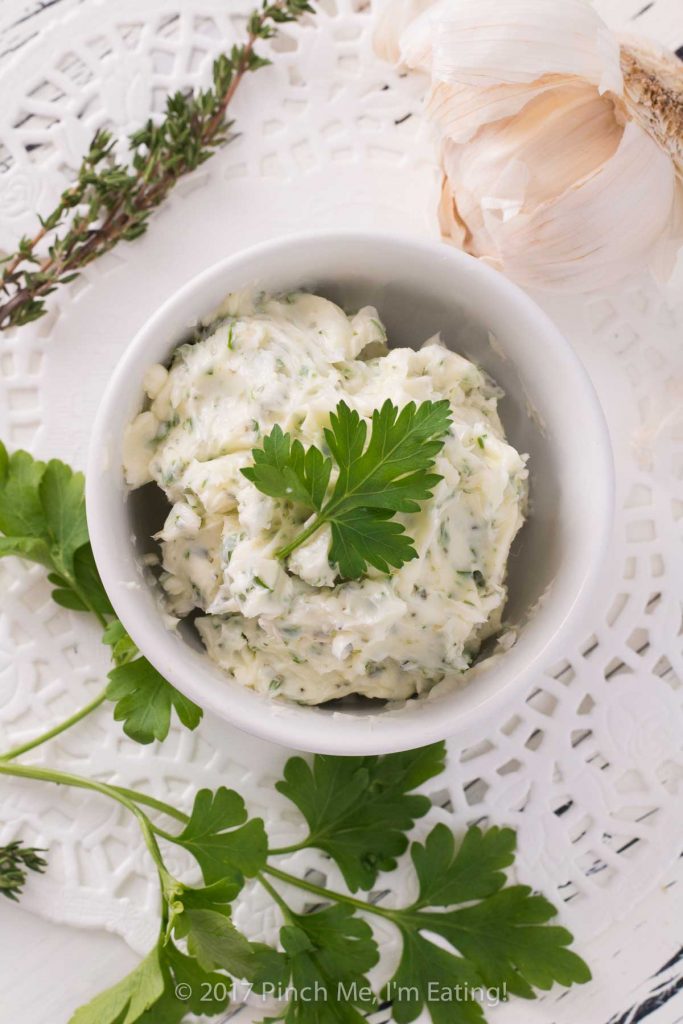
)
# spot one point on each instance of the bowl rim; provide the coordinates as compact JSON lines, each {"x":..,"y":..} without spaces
{"x":302,"y":727}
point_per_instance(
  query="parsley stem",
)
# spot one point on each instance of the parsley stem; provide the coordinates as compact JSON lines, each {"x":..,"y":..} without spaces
{"x":21,"y":771}
{"x":300,"y":538}
{"x":43,"y":737}
{"x":157,"y":805}
{"x":286,"y":910}
{"x":280,"y":851}
{"x":330,"y":894}
{"x":73,"y":585}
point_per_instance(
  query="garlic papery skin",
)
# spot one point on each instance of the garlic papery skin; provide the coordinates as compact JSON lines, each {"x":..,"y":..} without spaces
{"x":391,"y":21}
{"x":489,"y":42}
{"x":486,"y":42}
{"x":560,"y":146}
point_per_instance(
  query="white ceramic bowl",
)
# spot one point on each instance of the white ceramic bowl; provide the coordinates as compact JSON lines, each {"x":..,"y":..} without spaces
{"x":550,"y":411}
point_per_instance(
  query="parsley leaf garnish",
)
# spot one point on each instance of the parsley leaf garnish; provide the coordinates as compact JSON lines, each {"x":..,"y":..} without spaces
{"x":358,"y":809}
{"x":285,"y":469}
{"x":393,"y":473}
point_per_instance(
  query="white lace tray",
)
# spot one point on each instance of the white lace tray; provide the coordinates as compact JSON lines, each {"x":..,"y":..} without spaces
{"x":589,"y":768}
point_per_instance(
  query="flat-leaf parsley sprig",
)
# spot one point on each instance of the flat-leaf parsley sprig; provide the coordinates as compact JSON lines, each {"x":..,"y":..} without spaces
{"x":393,"y":473}
{"x":357,"y":811}
{"x":42,"y":519}
{"x":498,"y":936}
{"x":112,"y":202}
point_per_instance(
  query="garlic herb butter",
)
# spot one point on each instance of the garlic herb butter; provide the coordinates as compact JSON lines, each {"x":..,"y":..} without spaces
{"x":279,"y":615}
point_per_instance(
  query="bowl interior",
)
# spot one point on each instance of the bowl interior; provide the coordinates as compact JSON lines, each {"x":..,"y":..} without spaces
{"x":549,"y":411}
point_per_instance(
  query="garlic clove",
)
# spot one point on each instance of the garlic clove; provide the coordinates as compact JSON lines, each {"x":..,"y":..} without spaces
{"x":453,"y":228}
{"x":595,"y":234}
{"x":558,"y":139}
{"x":460,"y":110}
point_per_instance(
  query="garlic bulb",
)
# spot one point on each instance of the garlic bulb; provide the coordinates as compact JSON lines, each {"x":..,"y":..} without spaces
{"x":562,"y":150}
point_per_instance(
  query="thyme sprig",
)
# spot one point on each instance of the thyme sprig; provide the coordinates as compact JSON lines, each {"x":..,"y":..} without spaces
{"x":112,"y":201}
{"x":15,"y":861}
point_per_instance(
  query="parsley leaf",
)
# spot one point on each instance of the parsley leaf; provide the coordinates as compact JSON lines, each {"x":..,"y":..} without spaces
{"x":63,"y":500}
{"x":126,"y":1001}
{"x":148,"y":994}
{"x":207,"y":992}
{"x":474,"y":871}
{"x":501,"y":942}
{"x":21,"y":510}
{"x":123,"y":649}
{"x":42,"y":517}
{"x":94,"y":596}
{"x":392,"y":474}
{"x":213,"y":941}
{"x":202,"y":917}
{"x":144,"y":700}
{"x":326,"y":957}
{"x":358,"y":809}
{"x":283,"y":469}
{"x":506,"y":938}
{"x":33,"y":549}
{"x":431,"y":977}
{"x":221,"y":848}
{"x":204,"y":993}
{"x":368,"y":536}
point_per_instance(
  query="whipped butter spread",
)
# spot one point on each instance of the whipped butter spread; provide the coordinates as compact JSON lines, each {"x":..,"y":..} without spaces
{"x":293,"y":628}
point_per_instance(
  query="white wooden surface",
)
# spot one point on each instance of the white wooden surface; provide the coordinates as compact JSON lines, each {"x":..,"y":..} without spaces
{"x":46,"y":970}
